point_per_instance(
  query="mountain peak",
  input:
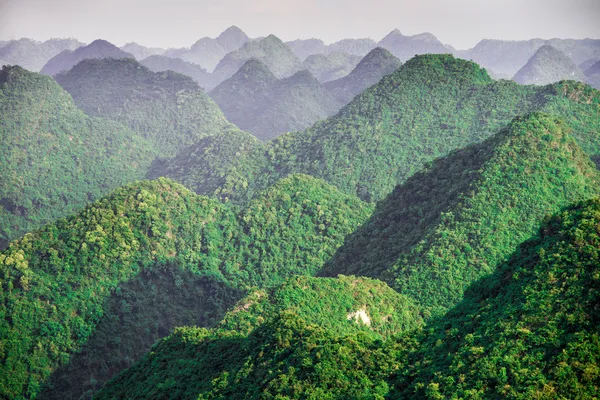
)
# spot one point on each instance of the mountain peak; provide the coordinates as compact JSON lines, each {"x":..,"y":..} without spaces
{"x":548,"y":65}
{"x":255,"y":68}
{"x":232,"y":38}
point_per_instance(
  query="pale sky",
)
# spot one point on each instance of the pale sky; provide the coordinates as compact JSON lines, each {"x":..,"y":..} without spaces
{"x":179,"y":23}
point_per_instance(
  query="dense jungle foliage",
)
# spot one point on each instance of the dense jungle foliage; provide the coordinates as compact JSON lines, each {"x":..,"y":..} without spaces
{"x":56,"y":283}
{"x":291,"y":341}
{"x":430,"y":106}
{"x":168,"y":109}
{"x":55,"y":159}
{"x":529,"y":330}
{"x":456,"y":221}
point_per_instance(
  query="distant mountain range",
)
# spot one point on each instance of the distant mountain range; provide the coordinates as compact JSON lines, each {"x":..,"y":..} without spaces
{"x":33,"y":55}
{"x":140,"y":52}
{"x":331,"y":66}
{"x":548,"y":65}
{"x":271,"y":51}
{"x":67,"y":59}
{"x":207,"y":52}
{"x":160,"y":63}
{"x":374,"y":66}
{"x":266,"y":106}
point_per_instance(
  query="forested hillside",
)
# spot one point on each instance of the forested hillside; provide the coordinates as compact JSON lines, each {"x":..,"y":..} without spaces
{"x":374,"y":66}
{"x":58,"y":283}
{"x":430,"y":106}
{"x":331,"y":66}
{"x":168,"y":109}
{"x":67,"y":59}
{"x":55,"y":159}
{"x":456,"y":221}
{"x":548,"y":65}
{"x":258,"y":102}
{"x":271,"y":51}
{"x":529,"y":330}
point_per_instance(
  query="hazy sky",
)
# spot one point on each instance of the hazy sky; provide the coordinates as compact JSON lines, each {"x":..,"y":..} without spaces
{"x":177,"y":23}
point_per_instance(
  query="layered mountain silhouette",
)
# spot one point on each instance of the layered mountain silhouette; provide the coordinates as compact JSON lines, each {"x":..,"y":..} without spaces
{"x":374,"y":66}
{"x":160,"y":63}
{"x":258,"y":102}
{"x":271,"y":51}
{"x":428,"y":107}
{"x":207,"y":52}
{"x":33,"y":55}
{"x":303,"y":48}
{"x":67,"y":59}
{"x":406,"y":47}
{"x":548,"y":65}
{"x":332,"y":66}
{"x":168,"y":109}
{"x":141,"y":52}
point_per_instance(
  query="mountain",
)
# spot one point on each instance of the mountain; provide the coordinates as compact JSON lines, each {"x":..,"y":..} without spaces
{"x":505,"y":57}
{"x":592,"y":75}
{"x":62,"y":282}
{"x":460,"y":218}
{"x":162,"y":63}
{"x":271,"y":51}
{"x":332,"y":66}
{"x":207,"y":52}
{"x":232,"y":39}
{"x":357,"y":47}
{"x":381,"y":138}
{"x":55,"y":159}
{"x":67,"y":59}
{"x":32,"y":55}
{"x":303,"y":48}
{"x":293,"y":336}
{"x":259,"y":103}
{"x":406,"y":47}
{"x":529,"y":330}
{"x":374,"y":66}
{"x":141,"y":52}
{"x":536,"y":315}
{"x":168,"y":109}
{"x":548,"y":65}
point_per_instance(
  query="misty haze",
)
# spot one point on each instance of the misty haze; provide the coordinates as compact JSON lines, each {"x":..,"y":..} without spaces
{"x":299,"y":199}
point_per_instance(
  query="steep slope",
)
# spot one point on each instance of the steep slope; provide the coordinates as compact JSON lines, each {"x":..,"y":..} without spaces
{"x":377,"y":64}
{"x":274,"y":340}
{"x":528,"y":331}
{"x":33,"y":55}
{"x":54,"y":158}
{"x":271,"y":51}
{"x":430,"y":106}
{"x":303,"y":48}
{"x":357,"y":47}
{"x":246,"y":93}
{"x":456,"y":221}
{"x":592,"y":75}
{"x":332,"y":66}
{"x":58,"y":282}
{"x":67,"y":59}
{"x":162,"y":63}
{"x":141,"y":52}
{"x":232,"y":39}
{"x":548,"y":65}
{"x":259,"y":103}
{"x":505,"y":57}
{"x":406,"y":47}
{"x":168,"y":109}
